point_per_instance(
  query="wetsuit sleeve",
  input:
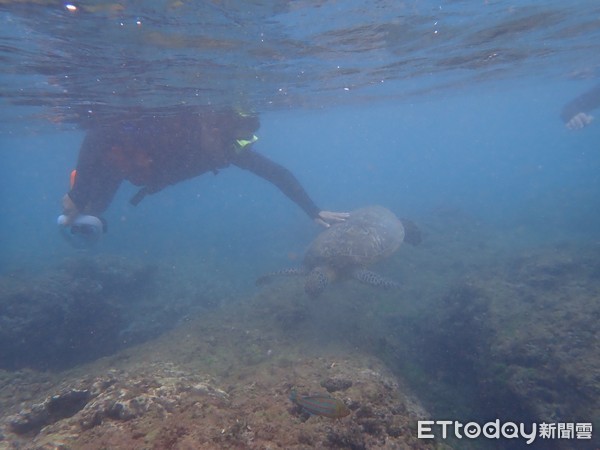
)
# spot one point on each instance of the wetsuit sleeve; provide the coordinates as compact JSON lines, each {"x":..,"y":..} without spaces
{"x":97,"y":179}
{"x":585,"y":103}
{"x":279,"y":176}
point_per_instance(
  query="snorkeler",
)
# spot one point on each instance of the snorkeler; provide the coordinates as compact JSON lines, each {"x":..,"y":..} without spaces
{"x":575,"y":114}
{"x":154,"y":152}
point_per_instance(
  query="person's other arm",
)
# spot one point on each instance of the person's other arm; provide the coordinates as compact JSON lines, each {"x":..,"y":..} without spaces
{"x":575,"y":114}
{"x":96,"y":179}
{"x":287,"y":183}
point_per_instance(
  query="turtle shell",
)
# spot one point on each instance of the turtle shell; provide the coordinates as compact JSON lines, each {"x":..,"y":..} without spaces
{"x":368,"y":235}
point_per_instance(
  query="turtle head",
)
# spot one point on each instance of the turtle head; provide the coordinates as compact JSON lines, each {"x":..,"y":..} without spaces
{"x":316,"y":281}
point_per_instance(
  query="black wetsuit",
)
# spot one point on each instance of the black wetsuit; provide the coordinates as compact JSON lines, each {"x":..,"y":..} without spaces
{"x":585,"y":103}
{"x":155,"y":152}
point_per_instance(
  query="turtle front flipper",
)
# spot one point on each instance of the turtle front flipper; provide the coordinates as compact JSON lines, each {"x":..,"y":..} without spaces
{"x":316,"y":281}
{"x":268,"y":277}
{"x":374,"y":279}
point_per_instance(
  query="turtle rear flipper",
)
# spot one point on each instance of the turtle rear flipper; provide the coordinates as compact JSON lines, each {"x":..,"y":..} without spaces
{"x":268,"y":277}
{"x":374,"y":279}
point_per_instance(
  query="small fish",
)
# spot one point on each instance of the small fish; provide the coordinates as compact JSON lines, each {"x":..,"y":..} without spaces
{"x":320,"y":405}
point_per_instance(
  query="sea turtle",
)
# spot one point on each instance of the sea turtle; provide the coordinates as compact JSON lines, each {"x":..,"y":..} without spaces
{"x":347,"y":248}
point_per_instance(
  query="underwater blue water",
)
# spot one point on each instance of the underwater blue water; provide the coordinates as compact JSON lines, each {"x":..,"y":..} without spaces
{"x":418,"y":106}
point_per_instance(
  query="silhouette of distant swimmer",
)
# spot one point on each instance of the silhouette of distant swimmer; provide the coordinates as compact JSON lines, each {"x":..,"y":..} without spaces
{"x":576,"y":113}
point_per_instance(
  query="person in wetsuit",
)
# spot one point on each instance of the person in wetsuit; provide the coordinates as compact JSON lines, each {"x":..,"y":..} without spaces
{"x":154,"y":152}
{"x":576,"y":113}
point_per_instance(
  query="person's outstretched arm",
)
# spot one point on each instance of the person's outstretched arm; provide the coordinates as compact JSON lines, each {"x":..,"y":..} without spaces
{"x":287,"y":183}
{"x":576,"y":113}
